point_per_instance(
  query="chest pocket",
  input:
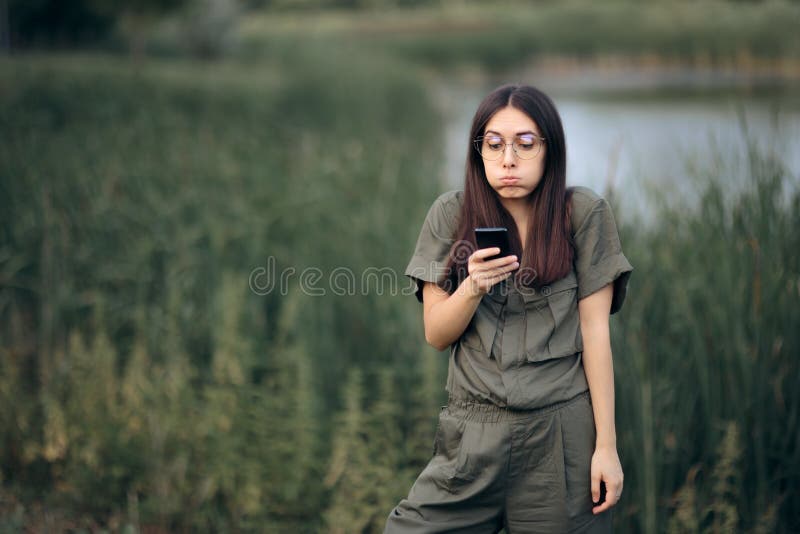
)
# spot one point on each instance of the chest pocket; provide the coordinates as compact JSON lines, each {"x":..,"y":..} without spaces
{"x":552,"y":321}
{"x":479,"y":334}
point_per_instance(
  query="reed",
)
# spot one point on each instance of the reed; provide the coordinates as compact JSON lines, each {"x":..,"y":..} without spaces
{"x":707,"y":340}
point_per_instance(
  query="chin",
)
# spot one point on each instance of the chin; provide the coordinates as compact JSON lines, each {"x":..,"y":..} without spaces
{"x":513,"y":191}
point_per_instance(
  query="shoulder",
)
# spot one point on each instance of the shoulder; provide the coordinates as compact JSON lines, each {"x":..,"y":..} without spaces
{"x":584,"y":201}
{"x":450,"y":201}
{"x":445,"y":209}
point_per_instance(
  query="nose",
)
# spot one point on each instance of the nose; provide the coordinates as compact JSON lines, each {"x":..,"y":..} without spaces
{"x":509,"y":156}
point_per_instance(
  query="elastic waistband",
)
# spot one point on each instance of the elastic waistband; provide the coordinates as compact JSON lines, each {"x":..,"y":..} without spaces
{"x":486,"y":412}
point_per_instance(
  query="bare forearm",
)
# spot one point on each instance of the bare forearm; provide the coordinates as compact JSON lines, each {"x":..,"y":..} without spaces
{"x":599,"y":368}
{"x":447,"y":320}
{"x":447,"y":316}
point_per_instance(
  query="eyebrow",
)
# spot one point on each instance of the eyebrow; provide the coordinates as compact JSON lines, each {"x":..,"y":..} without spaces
{"x":518,"y":133}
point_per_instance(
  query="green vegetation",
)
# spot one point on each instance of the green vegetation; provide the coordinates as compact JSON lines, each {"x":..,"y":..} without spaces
{"x":142,"y":380}
{"x":145,"y":384}
{"x":708,"y":341}
{"x":499,"y":36}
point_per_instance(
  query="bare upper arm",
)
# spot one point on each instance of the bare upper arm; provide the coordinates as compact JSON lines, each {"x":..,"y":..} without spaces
{"x":431,"y":296}
{"x":594,"y":309}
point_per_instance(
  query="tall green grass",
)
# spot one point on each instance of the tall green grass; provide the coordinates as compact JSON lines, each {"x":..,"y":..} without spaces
{"x":708,"y":339}
{"x":142,"y":381}
{"x":144,"y":385}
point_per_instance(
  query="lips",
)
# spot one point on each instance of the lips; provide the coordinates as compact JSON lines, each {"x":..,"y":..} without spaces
{"x":509,"y":179}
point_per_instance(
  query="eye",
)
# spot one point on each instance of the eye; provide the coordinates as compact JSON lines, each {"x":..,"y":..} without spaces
{"x":526,"y":142}
{"x":493,"y":142}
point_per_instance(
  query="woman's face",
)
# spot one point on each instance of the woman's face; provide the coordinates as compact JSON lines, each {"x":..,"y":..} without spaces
{"x":510,"y":175}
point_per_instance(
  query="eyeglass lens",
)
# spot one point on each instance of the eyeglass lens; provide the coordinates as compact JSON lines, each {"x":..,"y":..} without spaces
{"x":493,"y":146}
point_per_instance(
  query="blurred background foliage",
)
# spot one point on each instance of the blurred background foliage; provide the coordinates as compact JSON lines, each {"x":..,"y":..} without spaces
{"x":156,"y":154}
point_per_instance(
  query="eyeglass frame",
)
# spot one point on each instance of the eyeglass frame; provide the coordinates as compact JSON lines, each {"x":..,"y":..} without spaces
{"x":478,"y":141}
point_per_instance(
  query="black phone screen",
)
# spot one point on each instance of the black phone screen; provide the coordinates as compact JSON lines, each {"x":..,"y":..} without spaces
{"x":493,"y":237}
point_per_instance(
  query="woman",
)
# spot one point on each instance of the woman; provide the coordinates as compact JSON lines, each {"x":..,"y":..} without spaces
{"x":527,"y":440}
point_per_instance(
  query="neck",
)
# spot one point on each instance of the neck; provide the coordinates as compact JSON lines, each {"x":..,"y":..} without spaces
{"x":519,"y":208}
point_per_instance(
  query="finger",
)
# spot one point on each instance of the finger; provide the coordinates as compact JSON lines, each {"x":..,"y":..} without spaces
{"x":497,"y":271}
{"x":511,"y":267}
{"x":501,"y":262}
{"x":498,"y":277}
{"x":489,"y":269}
{"x":483,"y":253}
{"x":487,"y":281}
{"x":611,"y":498}
{"x":475,"y":266}
{"x":595,"y":486}
{"x":491,"y":280}
{"x":608,"y":503}
{"x":613,"y":488}
{"x":493,"y":270}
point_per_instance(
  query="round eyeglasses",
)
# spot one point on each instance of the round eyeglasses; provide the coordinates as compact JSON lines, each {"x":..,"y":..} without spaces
{"x":492,"y":147}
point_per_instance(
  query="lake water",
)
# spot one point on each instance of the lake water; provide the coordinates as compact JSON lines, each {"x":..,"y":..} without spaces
{"x":635,"y":129}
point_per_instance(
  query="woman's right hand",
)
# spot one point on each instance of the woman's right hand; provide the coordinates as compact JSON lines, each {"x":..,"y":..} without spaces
{"x":484,"y":274}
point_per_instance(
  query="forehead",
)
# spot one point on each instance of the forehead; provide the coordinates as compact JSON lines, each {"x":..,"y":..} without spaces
{"x":510,"y":121}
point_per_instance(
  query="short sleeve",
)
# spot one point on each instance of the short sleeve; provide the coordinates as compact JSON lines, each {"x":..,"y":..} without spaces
{"x":436,"y":237}
{"x":599,"y":258}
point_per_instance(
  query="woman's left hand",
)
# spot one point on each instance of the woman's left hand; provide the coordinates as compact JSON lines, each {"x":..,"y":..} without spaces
{"x":606,"y":467}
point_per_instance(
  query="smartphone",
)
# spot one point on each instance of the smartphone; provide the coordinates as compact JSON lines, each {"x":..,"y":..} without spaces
{"x":493,"y":237}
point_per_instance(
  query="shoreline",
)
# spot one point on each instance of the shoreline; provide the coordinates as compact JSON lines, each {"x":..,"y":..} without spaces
{"x":644,"y":72}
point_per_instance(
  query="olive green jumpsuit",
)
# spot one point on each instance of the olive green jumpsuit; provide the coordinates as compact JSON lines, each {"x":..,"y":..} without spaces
{"x":513,"y":445}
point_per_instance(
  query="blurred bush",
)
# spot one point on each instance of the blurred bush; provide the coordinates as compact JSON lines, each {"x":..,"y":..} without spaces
{"x":142,"y":381}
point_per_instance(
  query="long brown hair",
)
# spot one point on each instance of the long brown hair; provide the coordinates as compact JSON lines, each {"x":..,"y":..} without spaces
{"x":549,"y":246}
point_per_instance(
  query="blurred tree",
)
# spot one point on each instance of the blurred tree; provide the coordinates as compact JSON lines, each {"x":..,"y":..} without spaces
{"x":136,"y":19}
{"x":300,"y":5}
{"x":208,"y":27}
{"x":57,"y":24}
{"x":53,"y":23}
{"x":5,"y":38}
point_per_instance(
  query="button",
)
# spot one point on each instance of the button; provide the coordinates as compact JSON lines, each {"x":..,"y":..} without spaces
{"x":546,"y":291}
